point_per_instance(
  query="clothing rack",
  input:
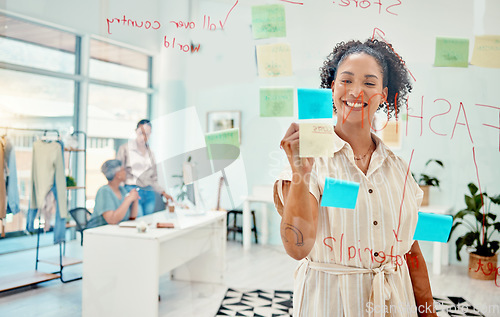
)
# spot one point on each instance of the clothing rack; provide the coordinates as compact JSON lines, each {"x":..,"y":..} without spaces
{"x":34,"y":130}
{"x":32,"y":278}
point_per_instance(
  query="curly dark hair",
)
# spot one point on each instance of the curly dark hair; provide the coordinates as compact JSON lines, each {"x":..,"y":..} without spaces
{"x":395,"y":74}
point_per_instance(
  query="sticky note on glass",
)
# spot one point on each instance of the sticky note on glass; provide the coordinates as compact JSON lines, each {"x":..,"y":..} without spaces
{"x":315,"y":103}
{"x":340,"y":193}
{"x":274,"y":60}
{"x":451,"y":52}
{"x":268,"y":21}
{"x":433,"y":227}
{"x":223,"y":145}
{"x":276,"y":102}
{"x":315,"y":139}
{"x":486,"y":51}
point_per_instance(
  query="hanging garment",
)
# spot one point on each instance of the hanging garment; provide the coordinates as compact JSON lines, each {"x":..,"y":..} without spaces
{"x":11,"y":182}
{"x":48,"y":170}
{"x":60,"y":224}
{"x":55,"y":201}
{"x":3,"y":192}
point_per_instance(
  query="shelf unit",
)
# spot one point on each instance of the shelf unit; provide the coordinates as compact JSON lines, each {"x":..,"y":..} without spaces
{"x":28,"y":278}
{"x":22,"y":279}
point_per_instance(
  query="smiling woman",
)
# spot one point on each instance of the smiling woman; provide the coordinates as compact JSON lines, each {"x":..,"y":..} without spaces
{"x":363,"y":77}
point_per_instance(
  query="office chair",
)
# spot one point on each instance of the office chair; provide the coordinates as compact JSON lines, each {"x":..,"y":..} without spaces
{"x":81,"y":217}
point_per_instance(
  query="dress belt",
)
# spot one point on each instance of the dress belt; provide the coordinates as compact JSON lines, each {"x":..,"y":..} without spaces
{"x":380,"y":292}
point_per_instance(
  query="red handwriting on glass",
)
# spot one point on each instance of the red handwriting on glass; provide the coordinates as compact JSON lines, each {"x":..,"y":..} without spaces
{"x":184,"y":24}
{"x":155,"y":25}
{"x":447,"y":113}
{"x":365,"y":4}
{"x":492,"y":126}
{"x":292,"y":2}
{"x":182,"y":47}
{"x":396,"y":233}
{"x":353,"y":252}
{"x":490,"y":270}
{"x":381,"y":34}
{"x":207,"y":22}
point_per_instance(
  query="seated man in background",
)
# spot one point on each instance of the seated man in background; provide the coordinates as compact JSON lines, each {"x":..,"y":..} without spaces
{"x":113,"y":204}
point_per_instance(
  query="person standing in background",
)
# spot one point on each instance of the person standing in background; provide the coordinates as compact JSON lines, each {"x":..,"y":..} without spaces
{"x":140,"y":166}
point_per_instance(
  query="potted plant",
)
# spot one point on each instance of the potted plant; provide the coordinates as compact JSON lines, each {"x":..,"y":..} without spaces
{"x":425,"y":181}
{"x":479,"y":239}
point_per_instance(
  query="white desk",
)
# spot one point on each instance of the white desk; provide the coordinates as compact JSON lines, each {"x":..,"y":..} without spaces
{"x":121,"y":267}
{"x":264,"y":195}
{"x":440,"y":250}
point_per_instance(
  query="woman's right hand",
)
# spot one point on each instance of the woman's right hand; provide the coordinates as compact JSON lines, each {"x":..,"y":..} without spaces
{"x":133,"y":195}
{"x":290,"y":144}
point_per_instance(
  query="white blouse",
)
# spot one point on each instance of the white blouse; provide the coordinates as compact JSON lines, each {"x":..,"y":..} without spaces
{"x":356,"y":266}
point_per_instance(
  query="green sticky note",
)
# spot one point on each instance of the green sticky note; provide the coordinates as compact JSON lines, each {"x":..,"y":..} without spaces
{"x":223,"y":145}
{"x":451,"y":52}
{"x":276,"y":102}
{"x":268,"y":21}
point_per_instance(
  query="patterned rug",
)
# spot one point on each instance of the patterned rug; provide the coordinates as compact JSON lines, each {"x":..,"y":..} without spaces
{"x":259,"y":303}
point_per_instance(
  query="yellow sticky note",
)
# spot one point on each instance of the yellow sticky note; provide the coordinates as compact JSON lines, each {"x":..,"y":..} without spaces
{"x":315,"y":139}
{"x":486,"y":51}
{"x":274,"y":60}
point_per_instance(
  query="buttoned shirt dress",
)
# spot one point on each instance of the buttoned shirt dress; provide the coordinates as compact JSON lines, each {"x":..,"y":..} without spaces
{"x":357,"y":266}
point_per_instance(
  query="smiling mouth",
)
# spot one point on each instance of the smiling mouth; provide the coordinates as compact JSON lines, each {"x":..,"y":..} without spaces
{"x":355,"y":104}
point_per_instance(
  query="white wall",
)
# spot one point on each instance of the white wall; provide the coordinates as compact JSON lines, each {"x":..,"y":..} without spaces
{"x":223,"y":74}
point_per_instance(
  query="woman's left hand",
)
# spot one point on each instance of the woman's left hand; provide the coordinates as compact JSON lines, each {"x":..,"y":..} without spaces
{"x":167,"y":196}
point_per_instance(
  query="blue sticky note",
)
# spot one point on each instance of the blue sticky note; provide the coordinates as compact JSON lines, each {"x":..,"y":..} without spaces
{"x":433,"y":227}
{"x":340,"y":193}
{"x":315,"y":103}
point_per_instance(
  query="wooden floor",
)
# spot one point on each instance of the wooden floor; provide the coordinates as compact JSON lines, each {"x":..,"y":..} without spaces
{"x":263,"y":267}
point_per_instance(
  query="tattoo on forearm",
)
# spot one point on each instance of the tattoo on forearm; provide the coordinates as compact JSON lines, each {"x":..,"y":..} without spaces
{"x":299,"y":237}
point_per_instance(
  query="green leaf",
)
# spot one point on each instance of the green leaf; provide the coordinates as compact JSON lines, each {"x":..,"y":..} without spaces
{"x":461,"y":214}
{"x":470,"y":203}
{"x":472,"y":188}
{"x":460,"y":245}
{"x":455,"y":225}
{"x":491,"y":216}
{"x":436,"y":161}
{"x":470,"y":237}
{"x":494,"y":245}
{"x":478,"y":201}
{"x":480,"y":217}
{"x":495,"y":199}
{"x":496,"y":225}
